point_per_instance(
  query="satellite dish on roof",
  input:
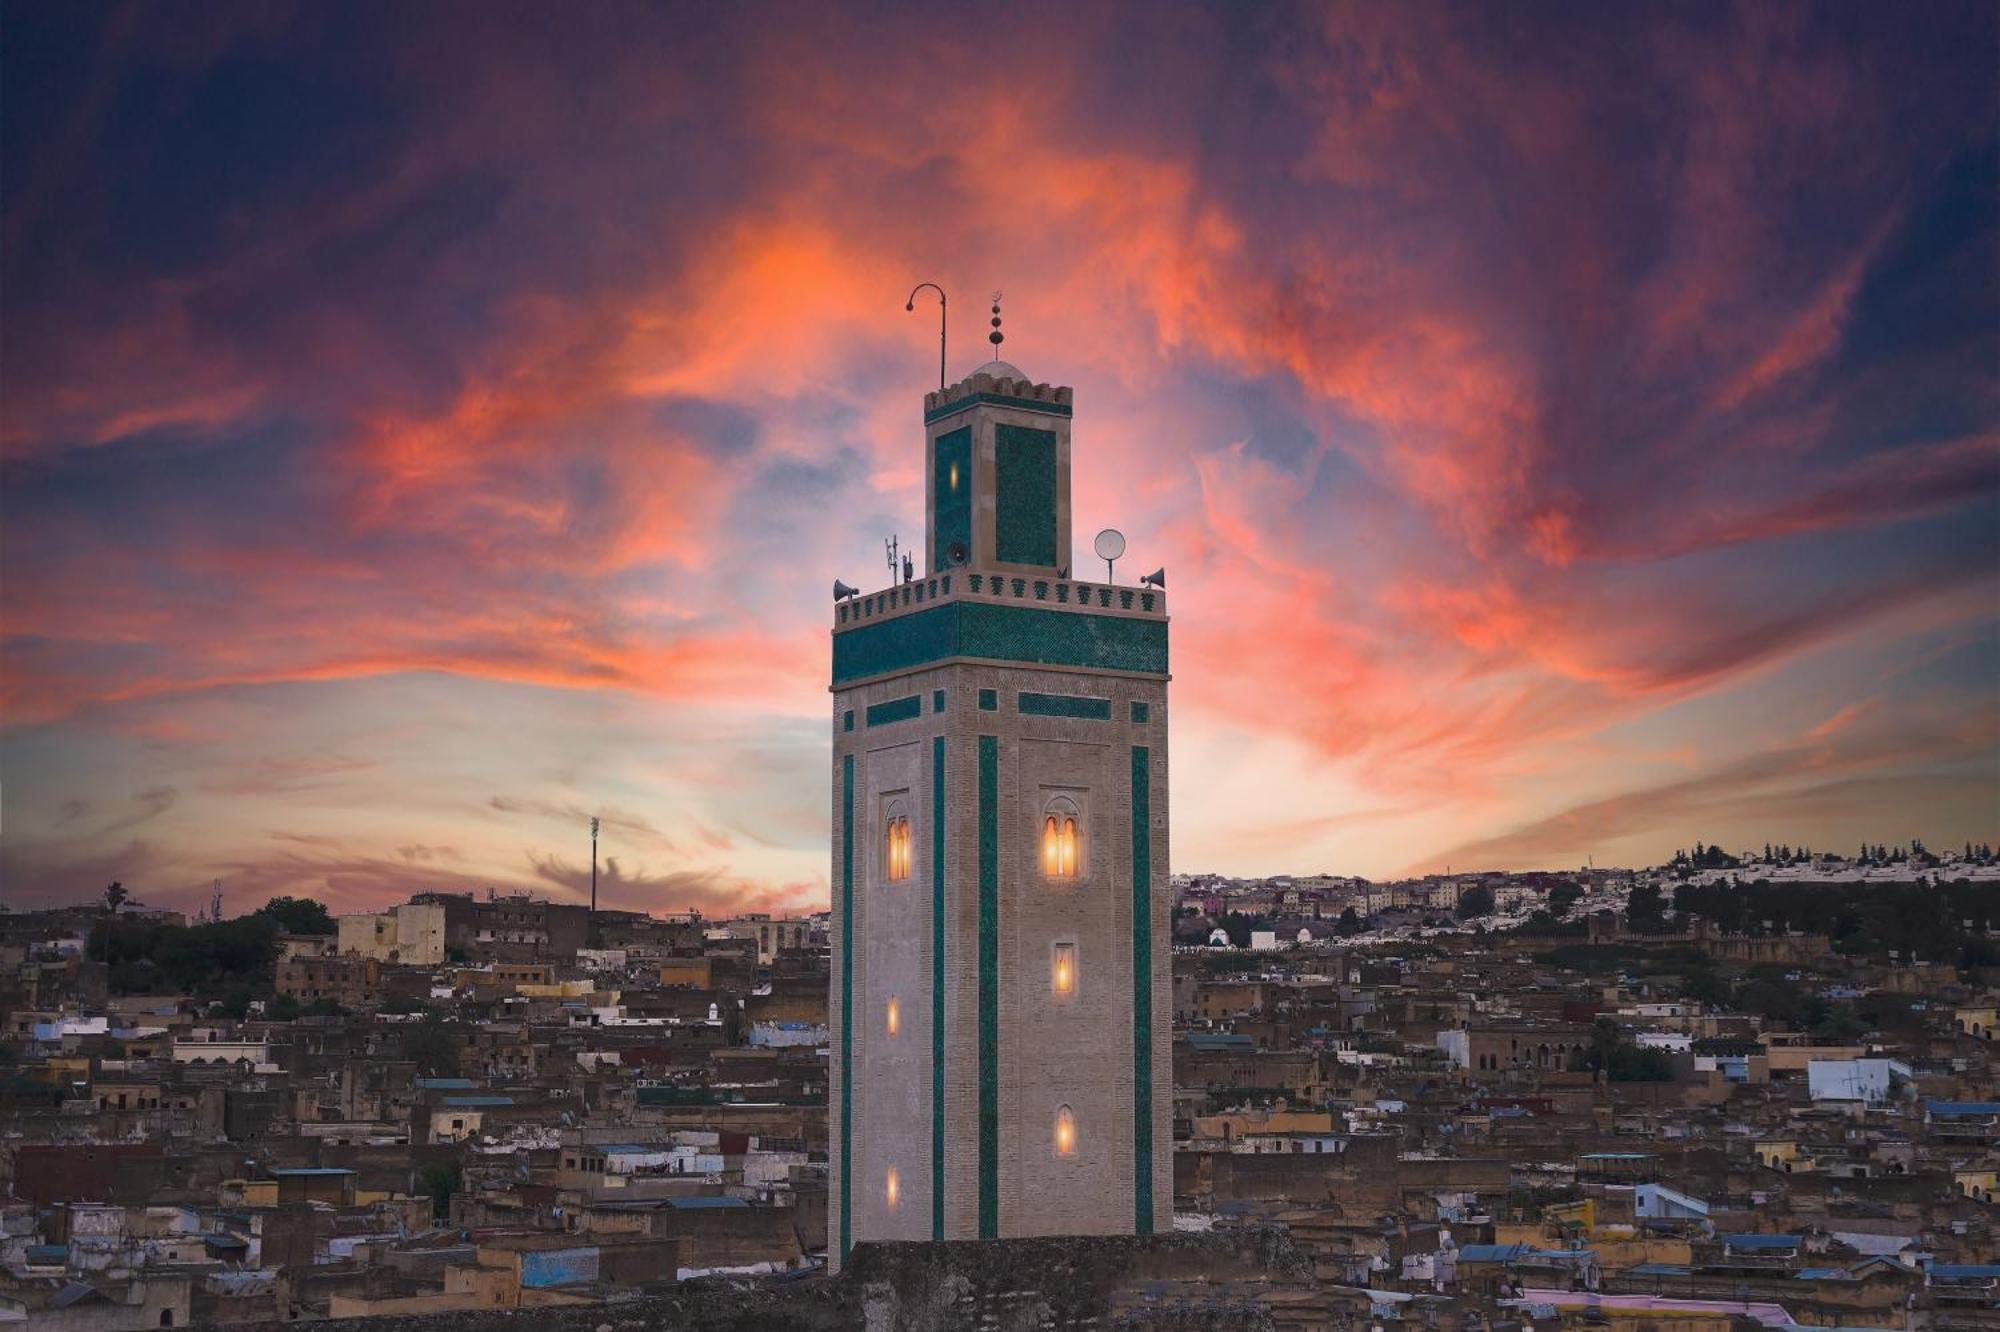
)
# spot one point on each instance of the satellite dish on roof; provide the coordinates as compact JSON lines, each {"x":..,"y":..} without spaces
{"x":1110,"y":544}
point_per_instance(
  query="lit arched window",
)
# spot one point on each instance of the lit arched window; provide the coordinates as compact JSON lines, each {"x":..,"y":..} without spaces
{"x":1065,"y":1132}
{"x":892,"y":1192}
{"x":895,"y":1016}
{"x":1062,"y":970}
{"x":1062,"y":851}
{"x":896,"y":846}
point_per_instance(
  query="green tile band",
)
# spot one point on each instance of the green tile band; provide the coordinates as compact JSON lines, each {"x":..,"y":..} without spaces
{"x":846,"y":1002}
{"x":1142,"y":989}
{"x":999,"y":632}
{"x":937,"y":987}
{"x":998,"y":400}
{"x":989,"y":987}
{"x":1065,"y":705}
{"x":895,"y":710}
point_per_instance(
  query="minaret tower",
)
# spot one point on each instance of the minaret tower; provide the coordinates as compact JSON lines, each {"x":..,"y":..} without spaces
{"x":1001,"y":990}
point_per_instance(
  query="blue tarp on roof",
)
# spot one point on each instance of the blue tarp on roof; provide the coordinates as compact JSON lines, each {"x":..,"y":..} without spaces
{"x":284,"y":1171}
{"x":1515,"y":1253}
{"x":48,"y":1253}
{"x":1957,"y":1109}
{"x":705,"y":1203}
{"x":1659,"y":1269}
{"x":473,"y":1102}
{"x":1762,"y":1241}
{"x":1966,"y":1271}
{"x":446,"y":1084}
{"x":222,"y":1241}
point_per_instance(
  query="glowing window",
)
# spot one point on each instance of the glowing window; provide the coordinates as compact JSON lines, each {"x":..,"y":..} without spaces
{"x":892,"y":1190}
{"x":895,"y":1015}
{"x":896,"y":847}
{"x":1065,"y":1132}
{"x":1062,"y":970}
{"x":1062,"y":852}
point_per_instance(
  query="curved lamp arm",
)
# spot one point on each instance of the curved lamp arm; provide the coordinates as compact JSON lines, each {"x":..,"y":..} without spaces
{"x":911,"y":304}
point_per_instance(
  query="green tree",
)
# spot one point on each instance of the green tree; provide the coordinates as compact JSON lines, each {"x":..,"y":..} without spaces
{"x":299,"y":915}
{"x":1645,"y":909}
{"x":432,"y":1047}
{"x":1349,"y":922}
{"x":441,"y":1179}
{"x":1564,"y":896}
{"x":284,"y":1008}
{"x":1475,"y":901}
{"x":114,"y":897}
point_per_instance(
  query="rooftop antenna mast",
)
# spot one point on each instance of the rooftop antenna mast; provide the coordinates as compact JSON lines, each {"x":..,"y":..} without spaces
{"x":215,"y":903}
{"x":911,"y":304}
{"x":593,"y":879}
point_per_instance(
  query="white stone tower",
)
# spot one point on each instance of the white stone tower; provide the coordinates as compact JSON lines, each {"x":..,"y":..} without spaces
{"x":1001,"y":989}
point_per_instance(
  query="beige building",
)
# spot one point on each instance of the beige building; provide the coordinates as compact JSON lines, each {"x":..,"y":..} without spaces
{"x":411,"y":934}
{"x":1001,"y":993}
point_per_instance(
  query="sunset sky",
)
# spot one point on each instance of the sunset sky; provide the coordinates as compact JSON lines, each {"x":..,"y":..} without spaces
{"x":1570,"y":431}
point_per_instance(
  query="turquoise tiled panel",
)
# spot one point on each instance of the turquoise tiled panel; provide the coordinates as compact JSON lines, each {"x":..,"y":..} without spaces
{"x":847,"y":720}
{"x":989,"y":986}
{"x":989,"y":700}
{"x":1141,"y":713}
{"x":895,"y":710}
{"x":846,"y":1001}
{"x":1065,"y":705}
{"x":1142,"y":989}
{"x":1024,"y":493}
{"x":952,"y":494}
{"x":937,"y":987}
{"x":998,"y":400}
{"x":999,"y":632}
{"x":937,"y":700}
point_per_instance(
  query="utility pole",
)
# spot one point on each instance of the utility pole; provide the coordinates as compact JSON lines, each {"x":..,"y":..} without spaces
{"x":593,"y":880}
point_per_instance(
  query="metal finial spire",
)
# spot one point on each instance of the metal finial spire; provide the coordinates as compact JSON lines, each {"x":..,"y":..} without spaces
{"x":996,"y":337}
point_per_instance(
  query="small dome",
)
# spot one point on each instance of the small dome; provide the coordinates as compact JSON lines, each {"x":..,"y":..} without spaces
{"x":999,"y":370}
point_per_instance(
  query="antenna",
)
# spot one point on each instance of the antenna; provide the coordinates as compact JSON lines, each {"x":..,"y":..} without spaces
{"x":215,"y":904}
{"x":1109,"y":545}
{"x":889,"y":548}
{"x":593,"y":878}
{"x":996,"y":337}
{"x":911,"y":304}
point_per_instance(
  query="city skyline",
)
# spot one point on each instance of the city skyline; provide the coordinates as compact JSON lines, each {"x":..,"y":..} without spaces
{"x":1563,"y":439}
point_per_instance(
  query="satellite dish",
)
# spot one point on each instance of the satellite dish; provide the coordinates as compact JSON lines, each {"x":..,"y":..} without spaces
{"x":1157,"y":578}
{"x":955,"y":552}
{"x":1110,"y":544}
{"x":841,"y":589}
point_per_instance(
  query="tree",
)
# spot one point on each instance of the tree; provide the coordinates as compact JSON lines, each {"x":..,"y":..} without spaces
{"x":284,"y":1008}
{"x":114,"y":897}
{"x":431,"y":1046}
{"x":1475,"y":901}
{"x":1349,"y":922}
{"x":299,"y":915}
{"x":1645,"y":910}
{"x":441,"y":1179}
{"x":1562,"y":897}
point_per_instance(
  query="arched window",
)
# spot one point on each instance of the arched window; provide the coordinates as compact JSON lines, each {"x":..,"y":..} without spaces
{"x":1062,"y":970}
{"x":896,"y":846}
{"x":895,"y":1016}
{"x":892,"y":1191}
{"x":1062,"y":847}
{"x":1065,"y":1132}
